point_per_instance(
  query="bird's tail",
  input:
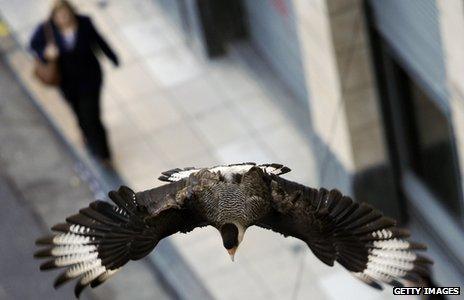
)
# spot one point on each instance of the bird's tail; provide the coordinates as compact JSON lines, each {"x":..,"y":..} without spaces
{"x":93,"y":244}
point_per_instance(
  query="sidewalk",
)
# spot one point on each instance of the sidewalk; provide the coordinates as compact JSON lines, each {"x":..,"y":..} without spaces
{"x":166,"y":108}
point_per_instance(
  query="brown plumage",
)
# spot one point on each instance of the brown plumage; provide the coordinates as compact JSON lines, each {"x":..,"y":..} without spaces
{"x":93,"y":244}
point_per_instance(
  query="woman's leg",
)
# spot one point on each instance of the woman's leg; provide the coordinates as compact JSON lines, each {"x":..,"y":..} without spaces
{"x":89,"y":120}
{"x":72,"y":98}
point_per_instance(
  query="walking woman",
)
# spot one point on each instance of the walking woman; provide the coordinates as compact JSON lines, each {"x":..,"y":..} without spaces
{"x":72,"y":41}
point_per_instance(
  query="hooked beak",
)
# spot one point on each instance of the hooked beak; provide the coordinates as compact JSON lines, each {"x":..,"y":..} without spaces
{"x":232,"y":253}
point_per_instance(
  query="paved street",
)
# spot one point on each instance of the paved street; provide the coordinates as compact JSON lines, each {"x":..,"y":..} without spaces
{"x":165,"y":108}
{"x":19,"y":227}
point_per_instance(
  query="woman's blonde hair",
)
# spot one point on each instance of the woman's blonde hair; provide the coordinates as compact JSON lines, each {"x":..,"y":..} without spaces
{"x":58,"y":4}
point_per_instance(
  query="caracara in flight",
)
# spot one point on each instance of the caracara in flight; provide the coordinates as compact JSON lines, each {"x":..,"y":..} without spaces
{"x":95,"y":243}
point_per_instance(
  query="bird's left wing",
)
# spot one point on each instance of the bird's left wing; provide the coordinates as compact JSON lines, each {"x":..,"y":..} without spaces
{"x":93,"y":244}
{"x":338,"y":229}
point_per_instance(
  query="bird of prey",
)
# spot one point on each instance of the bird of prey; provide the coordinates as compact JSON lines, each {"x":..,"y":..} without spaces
{"x":95,"y":243}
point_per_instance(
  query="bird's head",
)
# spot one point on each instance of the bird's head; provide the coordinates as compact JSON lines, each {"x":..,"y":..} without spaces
{"x":232,"y":236}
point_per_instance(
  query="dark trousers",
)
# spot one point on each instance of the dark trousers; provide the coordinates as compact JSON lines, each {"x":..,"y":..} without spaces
{"x":86,"y":106}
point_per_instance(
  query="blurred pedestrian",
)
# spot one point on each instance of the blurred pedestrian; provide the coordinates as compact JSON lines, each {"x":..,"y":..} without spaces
{"x":72,"y":41}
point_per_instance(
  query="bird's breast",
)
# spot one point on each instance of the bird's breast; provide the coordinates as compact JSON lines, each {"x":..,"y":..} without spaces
{"x":224,"y":203}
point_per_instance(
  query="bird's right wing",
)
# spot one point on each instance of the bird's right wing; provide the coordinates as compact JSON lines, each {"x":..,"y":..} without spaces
{"x":93,"y":244}
{"x":337,"y":229}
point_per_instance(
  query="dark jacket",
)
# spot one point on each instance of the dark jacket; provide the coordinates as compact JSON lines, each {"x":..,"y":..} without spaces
{"x":79,"y":67}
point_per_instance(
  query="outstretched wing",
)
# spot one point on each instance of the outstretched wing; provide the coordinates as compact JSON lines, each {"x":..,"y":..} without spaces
{"x":93,"y":244}
{"x":228,"y":171}
{"x":338,"y":229}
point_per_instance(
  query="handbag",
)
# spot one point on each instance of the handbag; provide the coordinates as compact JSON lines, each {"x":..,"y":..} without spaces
{"x":47,"y":72}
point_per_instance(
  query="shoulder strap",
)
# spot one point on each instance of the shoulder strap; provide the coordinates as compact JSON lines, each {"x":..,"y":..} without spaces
{"x":48,"y":30}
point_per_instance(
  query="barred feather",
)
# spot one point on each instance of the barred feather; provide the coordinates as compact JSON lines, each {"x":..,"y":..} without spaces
{"x":93,"y":244}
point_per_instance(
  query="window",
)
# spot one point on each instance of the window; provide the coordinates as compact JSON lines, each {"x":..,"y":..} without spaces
{"x":432,"y":149}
